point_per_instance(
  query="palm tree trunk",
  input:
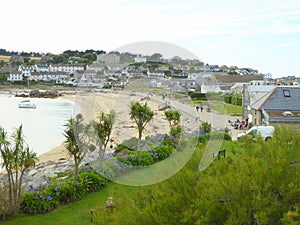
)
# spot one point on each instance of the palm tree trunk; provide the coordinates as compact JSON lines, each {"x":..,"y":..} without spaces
{"x":76,"y":170}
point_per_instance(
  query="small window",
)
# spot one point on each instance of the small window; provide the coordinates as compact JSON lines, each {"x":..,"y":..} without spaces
{"x":286,"y":93}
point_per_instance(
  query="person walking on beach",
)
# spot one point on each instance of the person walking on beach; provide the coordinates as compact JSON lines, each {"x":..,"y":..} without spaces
{"x":197,"y":108}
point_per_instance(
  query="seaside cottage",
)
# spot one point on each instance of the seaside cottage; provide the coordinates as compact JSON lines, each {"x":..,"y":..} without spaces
{"x":281,"y":105}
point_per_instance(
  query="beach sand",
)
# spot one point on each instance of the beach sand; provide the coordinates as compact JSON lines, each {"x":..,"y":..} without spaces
{"x":92,"y":104}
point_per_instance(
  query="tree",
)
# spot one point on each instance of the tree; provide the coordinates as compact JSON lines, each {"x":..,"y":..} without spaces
{"x":173,"y":117}
{"x":142,"y":115}
{"x":77,"y":141}
{"x":103,"y":130}
{"x":206,"y":127}
{"x":16,"y":159}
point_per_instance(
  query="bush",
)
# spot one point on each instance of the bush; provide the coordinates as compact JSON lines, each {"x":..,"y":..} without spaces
{"x":142,"y":159}
{"x":162,"y":152}
{"x":220,"y":135}
{"x":202,"y":138}
{"x":111,"y":169}
{"x":206,"y":127}
{"x":49,"y":196}
{"x":176,"y":131}
{"x":91,"y":180}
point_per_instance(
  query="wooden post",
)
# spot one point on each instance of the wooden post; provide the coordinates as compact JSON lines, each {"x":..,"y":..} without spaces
{"x":92,"y":215}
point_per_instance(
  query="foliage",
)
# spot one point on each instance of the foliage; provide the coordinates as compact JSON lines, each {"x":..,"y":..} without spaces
{"x":141,"y":158}
{"x":223,"y":135}
{"x":16,"y":159}
{"x":176,"y":131}
{"x":173,"y":117}
{"x":206,"y":127}
{"x":162,"y":152}
{"x":142,"y":115}
{"x":49,"y":196}
{"x":128,"y":145}
{"x":257,"y":183}
{"x":227,"y":108}
{"x":103,"y":129}
{"x":77,"y":143}
{"x":112,"y":168}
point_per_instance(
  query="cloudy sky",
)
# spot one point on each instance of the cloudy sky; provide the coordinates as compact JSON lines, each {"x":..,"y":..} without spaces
{"x":260,"y":34}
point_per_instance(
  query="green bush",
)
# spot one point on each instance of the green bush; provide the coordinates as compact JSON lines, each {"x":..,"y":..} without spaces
{"x":142,"y":158}
{"x":206,"y":127}
{"x":202,"y":138}
{"x":162,"y":152}
{"x":176,"y":131}
{"x":91,"y":180}
{"x":49,"y":196}
{"x":112,"y":168}
{"x":220,"y":135}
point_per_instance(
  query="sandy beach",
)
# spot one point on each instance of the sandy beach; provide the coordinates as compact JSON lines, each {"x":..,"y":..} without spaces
{"x":92,"y":104}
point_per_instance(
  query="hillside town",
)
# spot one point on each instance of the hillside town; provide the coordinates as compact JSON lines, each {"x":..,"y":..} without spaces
{"x":264,"y":100}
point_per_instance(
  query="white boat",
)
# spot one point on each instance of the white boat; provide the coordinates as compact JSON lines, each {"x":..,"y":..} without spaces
{"x":27,"y":104}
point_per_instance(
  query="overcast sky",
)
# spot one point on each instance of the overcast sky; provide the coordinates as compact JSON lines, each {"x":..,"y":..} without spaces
{"x":260,"y":34}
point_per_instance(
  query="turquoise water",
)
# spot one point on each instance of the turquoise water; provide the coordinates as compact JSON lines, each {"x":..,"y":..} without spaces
{"x":43,"y":126}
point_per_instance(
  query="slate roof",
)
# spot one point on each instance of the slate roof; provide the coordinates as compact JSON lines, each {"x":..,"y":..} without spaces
{"x":276,"y":99}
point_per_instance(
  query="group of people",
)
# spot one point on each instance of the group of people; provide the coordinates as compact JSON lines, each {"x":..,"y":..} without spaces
{"x":199,"y":107}
{"x":240,"y":125}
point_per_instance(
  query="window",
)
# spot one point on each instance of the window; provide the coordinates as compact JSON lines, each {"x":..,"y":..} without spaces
{"x":286,"y":93}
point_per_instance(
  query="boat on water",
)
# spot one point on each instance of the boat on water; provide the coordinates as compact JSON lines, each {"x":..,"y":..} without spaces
{"x":27,"y":104}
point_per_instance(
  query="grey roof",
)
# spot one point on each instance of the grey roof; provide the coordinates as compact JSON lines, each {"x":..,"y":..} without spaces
{"x":276,"y":100}
{"x":258,"y":103}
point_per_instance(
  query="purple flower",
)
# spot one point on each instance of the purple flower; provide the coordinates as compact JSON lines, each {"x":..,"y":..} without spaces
{"x":106,"y":158}
{"x":31,"y":188}
{"x":49,"y":198}
{"x":56,"y":188}
{"x":140,"y":159}
{"x":126,"y":156}
{"x":119,"y":154}
{"x":42,"y":197}
{"x":117,"y":165}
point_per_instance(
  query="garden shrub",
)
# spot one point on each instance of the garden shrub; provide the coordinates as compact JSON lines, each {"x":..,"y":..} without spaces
{"x":49,"y":196}
{"x":91,"y":180}
{"x":162,"y":152}
{"x":142,"y":158}
{"x":176,"y":131}
{"x":220,"y":135}
{"x":202,"y":138}
{"x":111,"y":168}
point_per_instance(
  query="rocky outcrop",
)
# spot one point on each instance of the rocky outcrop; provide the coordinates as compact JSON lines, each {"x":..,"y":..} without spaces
{"x":40,"y":94}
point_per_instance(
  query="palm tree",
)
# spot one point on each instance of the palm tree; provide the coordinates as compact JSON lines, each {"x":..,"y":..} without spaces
{"x":76,"y":141}
{"x":103,"y":130}
{"x":173,"y":117}
{"x":16,"y":159}
{"x":142,"y":115}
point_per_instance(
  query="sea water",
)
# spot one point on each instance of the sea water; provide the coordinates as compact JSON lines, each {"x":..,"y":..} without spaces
{"x":43,"y":127}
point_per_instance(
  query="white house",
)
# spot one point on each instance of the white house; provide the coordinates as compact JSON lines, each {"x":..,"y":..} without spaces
{"x":205,"y":88}
{"x":26,"y":69}
{"x":15,"y":76}
{"x":65,"y":68}
{"x":140,"y":59}
{"x":58,"y":77}
{"x":157,"y":73}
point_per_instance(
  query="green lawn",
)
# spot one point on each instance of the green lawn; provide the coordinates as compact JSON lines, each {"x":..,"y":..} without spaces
{"x":227,"y":108}
{"x":76,"y":214}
